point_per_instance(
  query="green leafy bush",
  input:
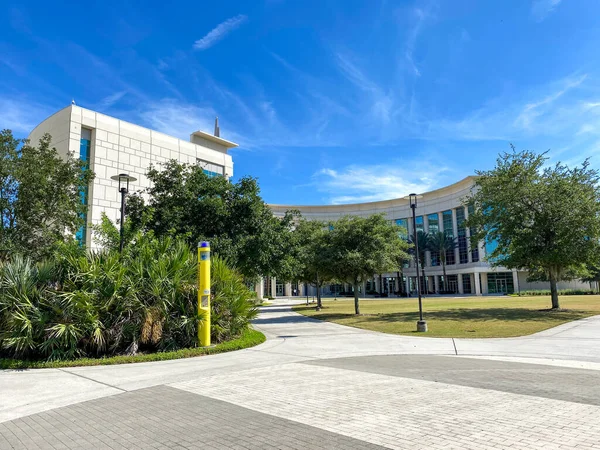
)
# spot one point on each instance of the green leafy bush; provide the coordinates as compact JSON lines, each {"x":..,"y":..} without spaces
{"x":103,"y":303}
{"x":561,"y":292}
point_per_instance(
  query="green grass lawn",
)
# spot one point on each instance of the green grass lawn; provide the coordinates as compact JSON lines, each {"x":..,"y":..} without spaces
{"x":473,"y":317}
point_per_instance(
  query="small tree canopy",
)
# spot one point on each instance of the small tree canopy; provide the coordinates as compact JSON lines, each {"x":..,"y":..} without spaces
{"x":312,"y":255}
{"x":544,"y":219}
{"x":361,"y":247}
{"x":40,"y":196}
{"x":241,"y":228}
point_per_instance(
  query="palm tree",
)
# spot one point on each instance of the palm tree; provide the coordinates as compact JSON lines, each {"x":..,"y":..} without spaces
{"x":441,"y":242}
{"x":423,"y":241}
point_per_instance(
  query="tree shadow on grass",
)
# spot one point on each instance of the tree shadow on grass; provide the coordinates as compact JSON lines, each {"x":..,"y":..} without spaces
{"x":460,"y":314}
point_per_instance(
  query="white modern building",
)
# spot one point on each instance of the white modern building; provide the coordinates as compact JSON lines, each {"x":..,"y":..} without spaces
{"x":111,"y":147}
{"x":467,"y":270}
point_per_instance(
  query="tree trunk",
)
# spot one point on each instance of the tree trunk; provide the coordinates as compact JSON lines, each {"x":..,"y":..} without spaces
{"x":554,"y":290}
{"x":445,"y":277}
{"x":356,"y":305}
{"x":319,"y":304}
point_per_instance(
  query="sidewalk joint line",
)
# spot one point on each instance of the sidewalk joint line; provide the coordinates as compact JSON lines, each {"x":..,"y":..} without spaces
{"x":454,"y":343}
{"x":91,"y":379}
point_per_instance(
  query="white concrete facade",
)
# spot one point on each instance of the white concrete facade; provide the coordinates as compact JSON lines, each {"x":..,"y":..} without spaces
{"x":119,"y":147}
{"x":469,"y":274}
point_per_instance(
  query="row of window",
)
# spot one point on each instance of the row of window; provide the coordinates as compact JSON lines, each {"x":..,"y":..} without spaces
{"x":448,"y":228}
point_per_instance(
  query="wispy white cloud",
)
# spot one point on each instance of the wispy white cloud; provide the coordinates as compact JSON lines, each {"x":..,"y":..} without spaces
{"x":110,"y":100}
{"x":219,"y":32}
{"x":535,"y":109}
{"x":176,"y":119}
{"x":354,"y":74}
{"x":420,"y":15}
{"x":354,"y":184}
{"x":540,"y":9}
{"x":181,"y":119}
{"x":553,"y":110}
{"x":380,"y":103}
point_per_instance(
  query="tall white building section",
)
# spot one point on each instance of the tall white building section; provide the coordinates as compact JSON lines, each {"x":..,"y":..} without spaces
{"x":111,"y":146}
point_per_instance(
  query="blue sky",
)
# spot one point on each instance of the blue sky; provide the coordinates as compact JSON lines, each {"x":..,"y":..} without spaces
{"x":330,"y":101}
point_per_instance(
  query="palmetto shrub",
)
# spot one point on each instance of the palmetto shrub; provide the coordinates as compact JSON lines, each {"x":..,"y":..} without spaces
{"x":232,"y":304}
{"x":105,"y":303}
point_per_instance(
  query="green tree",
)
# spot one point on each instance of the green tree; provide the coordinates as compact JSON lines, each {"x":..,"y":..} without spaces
{"x":593,"y":275}
{"x":184,"y":201}
{"x":544,"y":219}
{"x":363,"y":246}
{"x":40,"y":196}
{"x":313,"y":255}
{"x":442,"y":243}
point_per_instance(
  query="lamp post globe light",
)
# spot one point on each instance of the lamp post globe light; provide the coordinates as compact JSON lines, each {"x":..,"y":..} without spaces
{"x":123,"y":180}
{"x":421,"y":324}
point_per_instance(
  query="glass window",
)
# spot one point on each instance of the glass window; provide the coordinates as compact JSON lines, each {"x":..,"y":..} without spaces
{"x":210,"y":169}
{"x":466,"y":282}
{"x":447,"y":221}
{"x":463,"y":248}
{"x":452,"y":283}
{"x":434,"y":223}
{"x":449,"y":231}
{"x":403,"y":224}
{"x":85,"y":145}
{"x":500,"y":283}
{"x":419,"y":223}
{"x":434,"y":227}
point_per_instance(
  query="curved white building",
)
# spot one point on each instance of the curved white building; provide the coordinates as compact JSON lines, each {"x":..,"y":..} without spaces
{"x":467,"y":270}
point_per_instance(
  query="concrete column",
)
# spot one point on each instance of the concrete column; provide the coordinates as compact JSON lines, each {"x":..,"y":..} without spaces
{"x":426,"y":230}
{"x":273,"y":286}
{"x":363,"y":288}
{"x":481,"y":248}
{"x":287,"y":290}
{"x":515,"y":275}
{"x":455,"y":232}
{"x":477,"y":284}
{"x":484,"y":283}
{"x":460,"y":284}
{"x":407,"y":284}
{"x":436,"y":281}
{"x":468,"y":234}
{"x":259,"y":288}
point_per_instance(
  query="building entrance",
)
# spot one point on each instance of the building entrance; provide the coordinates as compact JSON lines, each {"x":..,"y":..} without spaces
{"x":501,"y":287}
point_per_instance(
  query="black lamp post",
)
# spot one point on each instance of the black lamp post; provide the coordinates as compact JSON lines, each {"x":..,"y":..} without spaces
{"x":421,"y":324}
{"x":123,"y":180}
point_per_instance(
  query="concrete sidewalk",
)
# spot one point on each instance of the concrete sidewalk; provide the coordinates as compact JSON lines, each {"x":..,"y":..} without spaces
{"x":292,"y":338}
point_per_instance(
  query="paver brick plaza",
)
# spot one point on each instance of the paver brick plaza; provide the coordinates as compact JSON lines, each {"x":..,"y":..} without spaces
{"x":316,"y":385}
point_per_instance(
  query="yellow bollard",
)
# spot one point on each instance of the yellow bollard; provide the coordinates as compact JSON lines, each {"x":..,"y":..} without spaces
{"x":204,"y":293}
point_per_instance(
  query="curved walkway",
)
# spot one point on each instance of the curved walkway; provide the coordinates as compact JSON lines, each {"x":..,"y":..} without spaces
{"x":350,"y":387}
